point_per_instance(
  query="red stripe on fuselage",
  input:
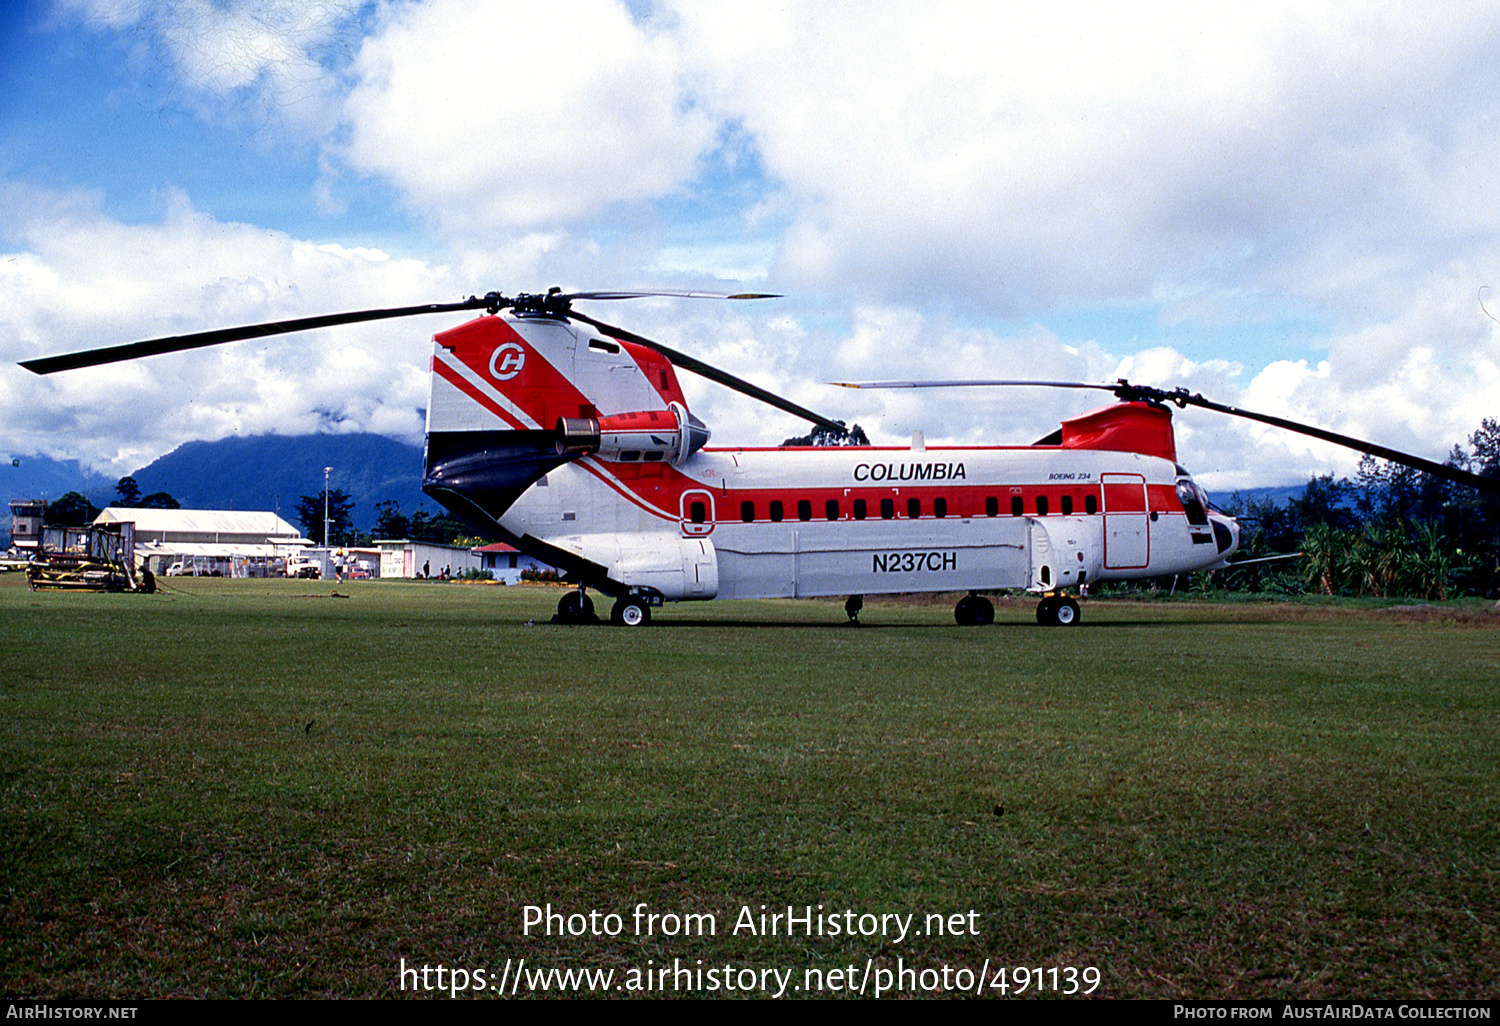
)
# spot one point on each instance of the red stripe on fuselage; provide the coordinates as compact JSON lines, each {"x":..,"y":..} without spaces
{"x":657,"y":488}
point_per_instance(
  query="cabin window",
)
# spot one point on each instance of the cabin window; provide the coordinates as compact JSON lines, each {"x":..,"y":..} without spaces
{"x":1016,"y":508}
{"x":914,"y":508}
{"x":831,"y":509}
{"x":697,"y":512}
{"x":804,"y":509}
{"x":1041,"y":505}
{"x":776,"y":513}
{"x":861,"y":509}
{"x":1091,"y":504}
{"x":652,"y":457}
{"x":939,"y":507}
{"x":887,"y":509}
{"x":1067,"y":505}
{"x":630,"y":456}
{"x":991,"y":506}
{"x":747,"y":512}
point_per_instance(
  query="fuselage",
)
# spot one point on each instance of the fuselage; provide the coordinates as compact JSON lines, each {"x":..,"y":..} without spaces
{"x":566,"y":442}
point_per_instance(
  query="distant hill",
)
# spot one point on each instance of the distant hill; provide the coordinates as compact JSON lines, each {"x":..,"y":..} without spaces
{"x":40,"y":477}
{"x":1279,"y":496}
{"x":263,"y":472}
{"x":273,"y":471}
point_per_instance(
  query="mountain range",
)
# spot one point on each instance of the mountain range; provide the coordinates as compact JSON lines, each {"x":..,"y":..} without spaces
{"x":265,"y":472}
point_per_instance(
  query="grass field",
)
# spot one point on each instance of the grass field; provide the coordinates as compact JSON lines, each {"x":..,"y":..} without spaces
{"x":255,"y":788}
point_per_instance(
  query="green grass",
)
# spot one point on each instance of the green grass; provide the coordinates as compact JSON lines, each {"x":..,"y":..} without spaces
{"x":245,"y":788}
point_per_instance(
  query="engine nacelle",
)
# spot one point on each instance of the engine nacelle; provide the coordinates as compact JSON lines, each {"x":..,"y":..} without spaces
{"x":648,"y":436}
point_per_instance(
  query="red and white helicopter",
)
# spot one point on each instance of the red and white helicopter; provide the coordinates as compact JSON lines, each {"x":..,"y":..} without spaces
{"x":573,"y":440}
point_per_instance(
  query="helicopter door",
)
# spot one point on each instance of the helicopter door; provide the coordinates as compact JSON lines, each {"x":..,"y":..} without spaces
{"x":1127,"y":528}
{"x":697,"y":513}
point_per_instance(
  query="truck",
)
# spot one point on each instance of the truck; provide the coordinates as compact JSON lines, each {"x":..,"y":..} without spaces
{"x":304,"y":566}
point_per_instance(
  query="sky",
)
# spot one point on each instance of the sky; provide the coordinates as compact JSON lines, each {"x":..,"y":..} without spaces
{"x":1288,"y":207}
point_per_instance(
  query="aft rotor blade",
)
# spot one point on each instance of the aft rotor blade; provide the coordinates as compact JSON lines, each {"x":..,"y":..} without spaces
{"x":570,"y":296}
{"x":713,"y":373}
{"x":200,"y":339}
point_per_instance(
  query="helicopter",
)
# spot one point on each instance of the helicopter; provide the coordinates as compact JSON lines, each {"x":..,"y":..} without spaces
{"x":572,"y":440}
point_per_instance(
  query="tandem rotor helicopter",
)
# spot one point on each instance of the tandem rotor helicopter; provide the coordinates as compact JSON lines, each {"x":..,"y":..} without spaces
{"x":572,"y":439}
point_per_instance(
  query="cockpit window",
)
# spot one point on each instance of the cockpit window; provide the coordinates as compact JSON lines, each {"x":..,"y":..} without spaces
{"x":1192,"y":499}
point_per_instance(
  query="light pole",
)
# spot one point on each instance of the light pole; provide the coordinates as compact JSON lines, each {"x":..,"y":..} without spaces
{"x":326,"y":549}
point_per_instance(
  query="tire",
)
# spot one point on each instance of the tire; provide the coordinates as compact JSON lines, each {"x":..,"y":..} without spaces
{"x":630,"y":612}
{"x":1066,"y":613}
{"x":575,"y":608}
{"x":1046,"y":612}
{"x":974,"y":611}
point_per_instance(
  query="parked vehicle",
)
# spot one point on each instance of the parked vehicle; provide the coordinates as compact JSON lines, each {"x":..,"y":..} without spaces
{"x":303,"y":566}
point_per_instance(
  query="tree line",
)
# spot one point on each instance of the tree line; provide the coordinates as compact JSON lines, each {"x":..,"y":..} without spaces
{"x":73,"y":509}
{"x":1391,"y":532}
{"x":390,"y":523}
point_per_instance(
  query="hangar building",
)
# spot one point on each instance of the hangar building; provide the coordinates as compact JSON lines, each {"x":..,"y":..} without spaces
{"x":225,"y":543}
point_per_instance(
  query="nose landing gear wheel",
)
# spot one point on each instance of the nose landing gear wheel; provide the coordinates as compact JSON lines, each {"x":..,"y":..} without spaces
{"x":630,"y":612}
{"x":1057,"y":611}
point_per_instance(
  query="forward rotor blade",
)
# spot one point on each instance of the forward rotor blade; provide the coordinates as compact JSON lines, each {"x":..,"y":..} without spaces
{"x":1181,"y":398}
{"x":968,"y":383}
{"x":713,"y":373}
{"x":198,"y":340}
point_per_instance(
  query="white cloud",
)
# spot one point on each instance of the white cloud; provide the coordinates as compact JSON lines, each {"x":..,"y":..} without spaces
{"x":266,"y":59}
{"x":79,"y":279}
{"x":492,"y":116}
{"x":1021,"y":157}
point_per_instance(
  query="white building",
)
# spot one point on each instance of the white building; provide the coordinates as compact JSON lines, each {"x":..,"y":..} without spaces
{"x":225,"y":543}
{"x":506,"y":562}
{"x":402,"y":558}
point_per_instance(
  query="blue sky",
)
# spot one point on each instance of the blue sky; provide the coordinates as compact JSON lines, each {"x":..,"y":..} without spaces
{"x":1291,"y":208}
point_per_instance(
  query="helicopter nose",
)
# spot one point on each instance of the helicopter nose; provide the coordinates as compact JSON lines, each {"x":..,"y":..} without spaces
{"x":1226,"y":534}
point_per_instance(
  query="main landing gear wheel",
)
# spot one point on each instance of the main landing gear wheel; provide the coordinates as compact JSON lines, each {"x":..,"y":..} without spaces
{"x":630,"y":612}
{"x":575,"y":607}
{"x":1057,"y":611}
{"x":974,"y":611}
